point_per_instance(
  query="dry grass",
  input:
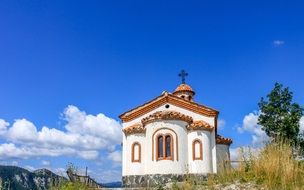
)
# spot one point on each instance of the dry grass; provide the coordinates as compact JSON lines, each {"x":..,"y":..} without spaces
{"x":273,"y":168}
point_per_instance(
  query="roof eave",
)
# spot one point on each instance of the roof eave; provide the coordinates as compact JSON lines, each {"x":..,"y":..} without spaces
{"x":166,"y":97}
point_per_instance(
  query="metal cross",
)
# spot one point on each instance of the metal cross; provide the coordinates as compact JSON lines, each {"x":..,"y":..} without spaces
{"x":183,"y":75}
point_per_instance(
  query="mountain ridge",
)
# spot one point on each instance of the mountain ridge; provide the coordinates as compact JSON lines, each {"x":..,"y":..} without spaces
{"x":19,"y":178}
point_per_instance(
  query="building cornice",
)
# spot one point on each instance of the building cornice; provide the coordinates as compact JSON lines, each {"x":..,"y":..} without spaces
{"x":166,"y":115}
{"x":223,"y":140}
{"x":200,"y":125}
{"x":133,"y":129}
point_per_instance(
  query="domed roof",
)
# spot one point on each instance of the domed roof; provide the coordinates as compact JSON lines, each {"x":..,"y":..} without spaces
{"x":183,"y":88}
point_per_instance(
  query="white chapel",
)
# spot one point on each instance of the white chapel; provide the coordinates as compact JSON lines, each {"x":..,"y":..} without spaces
{"x":169,"y":137}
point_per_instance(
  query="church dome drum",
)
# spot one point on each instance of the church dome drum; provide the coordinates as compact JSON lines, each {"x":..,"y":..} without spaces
{"x":184,"y":91}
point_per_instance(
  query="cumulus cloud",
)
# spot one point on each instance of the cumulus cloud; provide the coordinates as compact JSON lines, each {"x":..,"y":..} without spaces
{"x":258,"y":137}
{"x":278,"y":43}
{"x":250,"y":125}
{"x":22,"y":131}
{"x":84,"y":136}
{"x":115,"y":156}
{"x":79,"y":122}
{"x":3,"y":127}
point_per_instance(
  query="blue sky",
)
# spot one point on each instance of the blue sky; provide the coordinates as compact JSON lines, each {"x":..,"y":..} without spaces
{"x":107,"y":57}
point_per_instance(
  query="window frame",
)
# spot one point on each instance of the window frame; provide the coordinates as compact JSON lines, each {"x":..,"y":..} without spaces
{"x":194,"y":142}
{"x":158,"y":145}
{"x":133,"y":152}
{"x":164,"y":143}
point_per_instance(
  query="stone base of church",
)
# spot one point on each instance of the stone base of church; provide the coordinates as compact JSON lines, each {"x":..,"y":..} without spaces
{"x":153,"y":180}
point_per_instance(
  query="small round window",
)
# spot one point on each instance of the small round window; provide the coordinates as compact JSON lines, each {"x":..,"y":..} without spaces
{"x":167,"y":106}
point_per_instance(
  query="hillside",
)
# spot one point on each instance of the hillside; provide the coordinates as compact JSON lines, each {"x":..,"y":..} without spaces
{"x":17,"y":178}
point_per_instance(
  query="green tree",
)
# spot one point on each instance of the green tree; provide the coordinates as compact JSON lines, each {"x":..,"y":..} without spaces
{"x":280,"y":116}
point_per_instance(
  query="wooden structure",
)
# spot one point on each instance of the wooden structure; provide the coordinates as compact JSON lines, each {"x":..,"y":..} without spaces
{"x":84,"y":179}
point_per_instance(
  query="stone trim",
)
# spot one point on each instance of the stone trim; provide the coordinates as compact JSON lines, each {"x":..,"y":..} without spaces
{"x":200,"y":125}
{"x":166,"y":115}
{"x":133,"y":129}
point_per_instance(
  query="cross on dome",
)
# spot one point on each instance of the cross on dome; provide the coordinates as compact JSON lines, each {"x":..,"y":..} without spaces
{"x":184,"y":90}
{"x":183,"y":75}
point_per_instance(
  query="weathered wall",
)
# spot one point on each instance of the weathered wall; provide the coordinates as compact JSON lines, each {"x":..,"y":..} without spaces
{"x":222,"y":156}
{"x":154,"y":180}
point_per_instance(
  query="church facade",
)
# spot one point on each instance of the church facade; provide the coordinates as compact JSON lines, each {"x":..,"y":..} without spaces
{"x":170,"y":137}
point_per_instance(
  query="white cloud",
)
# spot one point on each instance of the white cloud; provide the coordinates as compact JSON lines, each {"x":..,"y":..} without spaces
{"x":88,"y":154}
{"x":221,"y":124}
{"x":60,"y":171}
{"x":99,"y":125}
{"x":108,"y":176}
{"x":278,"y":43}
{"x":85,"y":136}
{"x":3,"y":127}
{"x":22,"y":131}
{"x":302,"y":125}
{"x":45,"y":163}
{"x":115,"y":156}
{"x":234,"y":154}
{"x":9,"y":163}
{"x":241,"y":153}
{"x":10,"y":150}
{"x":250,"y":125}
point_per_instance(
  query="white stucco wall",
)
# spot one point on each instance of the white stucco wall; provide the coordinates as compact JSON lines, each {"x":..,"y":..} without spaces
{"x":214,"y":153}
{"x":204,"y":165}
{"x":129,"y":167}
{"x":179,"y":133}
{"x":185,"y":138}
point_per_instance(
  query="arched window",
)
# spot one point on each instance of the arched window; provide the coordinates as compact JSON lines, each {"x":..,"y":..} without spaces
{"x":155,"y":143}
{"x":197,"y":150}
{"x":168,"y":146}
{"x":136,"y":152}
{"x":164,"y":147}
{"x":160,"y":152}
